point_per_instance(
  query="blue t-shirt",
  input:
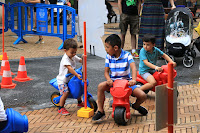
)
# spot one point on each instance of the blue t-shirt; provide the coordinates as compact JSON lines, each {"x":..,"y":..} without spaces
{"x":151,"y":57}
{"x":119,"y":67}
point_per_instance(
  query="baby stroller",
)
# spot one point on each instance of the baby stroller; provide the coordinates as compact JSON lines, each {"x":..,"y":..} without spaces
{"x":179,"y":35}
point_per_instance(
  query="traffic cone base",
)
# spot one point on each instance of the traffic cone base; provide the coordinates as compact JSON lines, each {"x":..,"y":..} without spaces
{"x":22,"y":79}
{"x":12,"y":86}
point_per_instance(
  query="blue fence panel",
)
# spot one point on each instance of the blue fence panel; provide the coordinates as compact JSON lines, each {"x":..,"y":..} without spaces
{"x":22,"y":28}
{"x":5,"y":17}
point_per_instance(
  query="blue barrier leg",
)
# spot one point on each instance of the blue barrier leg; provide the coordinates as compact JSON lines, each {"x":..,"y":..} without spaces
{"x":19,"y":40}
{"x":20,"y":36}
{"x":61,"y":46}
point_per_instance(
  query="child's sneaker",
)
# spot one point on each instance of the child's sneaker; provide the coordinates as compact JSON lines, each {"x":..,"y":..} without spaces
{"x":80,"y":104}
{"x":98,"y":117}
{"x":41,"y":41}
{"x":141,"y":110}
{"x":135,"y":55}
{"x":63,"y":111}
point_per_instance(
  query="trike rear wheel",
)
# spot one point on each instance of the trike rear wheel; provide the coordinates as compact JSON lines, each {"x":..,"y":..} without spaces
{"x":120,"y":116}
{"x":53,"y":95}
{"x":93,"y":104}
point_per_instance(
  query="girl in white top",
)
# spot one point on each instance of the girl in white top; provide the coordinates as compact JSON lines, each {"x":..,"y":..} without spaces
{"x":67,"y":65}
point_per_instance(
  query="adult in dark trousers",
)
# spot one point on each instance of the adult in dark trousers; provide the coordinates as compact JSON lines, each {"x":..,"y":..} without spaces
{"x":41,"y":40}
{"x":129,"y":15}
{"x":153,"y":22}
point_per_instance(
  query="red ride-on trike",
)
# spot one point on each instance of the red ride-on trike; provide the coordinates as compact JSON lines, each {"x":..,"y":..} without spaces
{"x":121,"y":106}
{"x":160,"y":77}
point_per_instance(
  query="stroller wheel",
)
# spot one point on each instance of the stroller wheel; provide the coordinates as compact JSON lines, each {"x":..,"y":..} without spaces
{"x":116,"y":19}
{"x":188,"y":61}
{"x":171,"y":56}
{"x":193,"y":53}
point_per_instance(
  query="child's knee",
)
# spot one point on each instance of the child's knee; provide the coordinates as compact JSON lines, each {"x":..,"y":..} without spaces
{"x":65,"y":94}
{"x":154,"y":83}
{"x":102,"y":86}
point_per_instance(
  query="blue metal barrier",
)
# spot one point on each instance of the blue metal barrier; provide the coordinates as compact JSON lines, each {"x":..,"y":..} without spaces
{"x":5,"y":18}
{"x":23,"y":27}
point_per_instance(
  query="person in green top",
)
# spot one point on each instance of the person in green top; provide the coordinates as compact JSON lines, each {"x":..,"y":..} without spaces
{"x":129,"y":10}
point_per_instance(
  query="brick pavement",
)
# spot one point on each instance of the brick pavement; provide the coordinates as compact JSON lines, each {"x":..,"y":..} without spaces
{"x":49,"y":121}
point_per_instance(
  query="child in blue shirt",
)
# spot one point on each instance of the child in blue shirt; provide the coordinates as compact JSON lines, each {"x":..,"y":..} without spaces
{"x":148,"y":58}
{"x":117,"y":66}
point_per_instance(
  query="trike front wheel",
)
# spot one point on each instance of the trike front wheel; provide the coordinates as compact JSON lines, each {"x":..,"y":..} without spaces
{"x":120,"y":116}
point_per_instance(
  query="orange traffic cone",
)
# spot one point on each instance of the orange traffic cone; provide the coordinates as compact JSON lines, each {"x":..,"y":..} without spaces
{"x":7,"y":78}
{"x":22,"y":73}
{"x":5,"y":58}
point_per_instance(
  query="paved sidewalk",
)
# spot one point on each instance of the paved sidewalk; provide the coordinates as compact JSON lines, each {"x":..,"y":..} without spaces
{"x":48,"y":120}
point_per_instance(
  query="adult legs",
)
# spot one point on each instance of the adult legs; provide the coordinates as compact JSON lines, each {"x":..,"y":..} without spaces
{"x":133,"y":41}
{"x":123,"y":40}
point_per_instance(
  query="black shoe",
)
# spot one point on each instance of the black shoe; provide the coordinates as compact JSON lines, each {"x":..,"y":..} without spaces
{"x":141,"y":110}
{"x":98,"y":117}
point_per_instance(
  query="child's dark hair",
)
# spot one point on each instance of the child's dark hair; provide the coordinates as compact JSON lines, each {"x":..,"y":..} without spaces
{"x":70,"y":43}
{"x":149,"y":38}
{"x":113,"y":40}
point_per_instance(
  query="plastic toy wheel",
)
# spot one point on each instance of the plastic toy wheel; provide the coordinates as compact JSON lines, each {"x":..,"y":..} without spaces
{"x":188,"y":61}
{"x":93,"y":103}
{"x":141,"y":84}
{"x":53,"y":95}
{"x":171,"y":56}
{"x":120,"y":115}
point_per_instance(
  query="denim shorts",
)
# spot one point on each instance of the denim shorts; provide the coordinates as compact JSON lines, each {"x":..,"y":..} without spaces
{"x":63,"y":88}
{"x":133,"y":87}
{"x":146,"y":75}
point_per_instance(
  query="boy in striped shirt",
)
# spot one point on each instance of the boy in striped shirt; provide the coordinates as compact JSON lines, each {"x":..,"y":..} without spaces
{"x":117,"y":66}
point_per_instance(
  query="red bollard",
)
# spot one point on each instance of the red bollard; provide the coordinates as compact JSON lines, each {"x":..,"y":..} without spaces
{"x":170,"y":98}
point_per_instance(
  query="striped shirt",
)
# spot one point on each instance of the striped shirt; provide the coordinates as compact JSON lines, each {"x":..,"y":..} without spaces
{"x":119,"y":67}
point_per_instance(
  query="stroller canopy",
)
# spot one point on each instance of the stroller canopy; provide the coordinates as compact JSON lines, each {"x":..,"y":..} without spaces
{"x":179,"y":26}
